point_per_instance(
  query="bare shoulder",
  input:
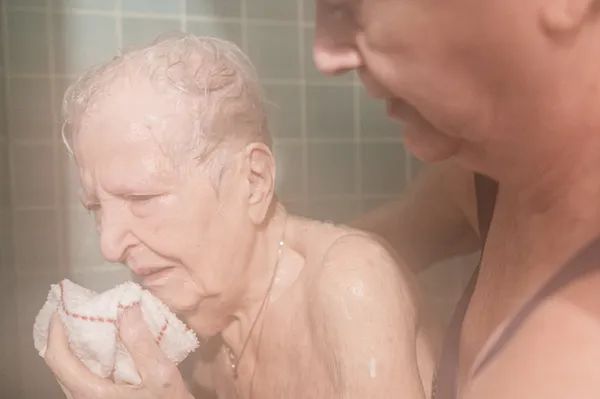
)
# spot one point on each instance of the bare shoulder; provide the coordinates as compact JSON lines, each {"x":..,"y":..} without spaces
{"x":357,"y":266}
{"x":555,"y":354}
{"x":355,"y":275}
{"x":363,"y":318}
{"x":352,"y":272}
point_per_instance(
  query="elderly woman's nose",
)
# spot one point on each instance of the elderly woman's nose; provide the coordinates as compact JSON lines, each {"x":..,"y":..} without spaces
{"x":115,"y":236}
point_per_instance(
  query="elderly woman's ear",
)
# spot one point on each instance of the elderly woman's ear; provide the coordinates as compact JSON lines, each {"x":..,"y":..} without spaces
{"x":259,"y":171}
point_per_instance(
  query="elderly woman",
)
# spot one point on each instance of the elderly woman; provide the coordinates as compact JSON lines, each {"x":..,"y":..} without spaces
{"x":173,"y":150}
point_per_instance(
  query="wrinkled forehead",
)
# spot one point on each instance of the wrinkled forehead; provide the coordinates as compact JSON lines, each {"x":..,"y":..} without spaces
{"x":130,"y":110}
{"x":122,"y":156}
{"x":134,"y":99}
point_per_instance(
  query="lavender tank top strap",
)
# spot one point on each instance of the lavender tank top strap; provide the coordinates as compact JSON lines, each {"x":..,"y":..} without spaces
{"x":446,"y":376}
{"x":587,"y":261}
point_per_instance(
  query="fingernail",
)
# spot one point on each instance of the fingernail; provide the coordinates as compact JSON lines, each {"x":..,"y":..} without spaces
{"x":130,"y":321}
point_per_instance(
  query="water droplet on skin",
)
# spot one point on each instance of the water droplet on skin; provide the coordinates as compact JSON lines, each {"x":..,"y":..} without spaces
{"x":373,"y":367}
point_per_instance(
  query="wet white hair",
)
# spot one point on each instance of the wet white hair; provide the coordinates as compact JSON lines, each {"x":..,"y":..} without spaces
{"x":212,"y":78}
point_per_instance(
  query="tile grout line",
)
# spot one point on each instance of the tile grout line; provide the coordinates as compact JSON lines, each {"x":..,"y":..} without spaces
{"x":9,"y":138}
{"x":118,"y":14}
{"x":244,"y":24}
{"x":58,"y":213}
{"x":10,"y":160}
{"x":184,"y":19}
{"x":163,"y":16}
{"x":303,"y":113}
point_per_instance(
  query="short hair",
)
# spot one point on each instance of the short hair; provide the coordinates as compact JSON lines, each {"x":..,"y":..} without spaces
{"x":214,"y":77}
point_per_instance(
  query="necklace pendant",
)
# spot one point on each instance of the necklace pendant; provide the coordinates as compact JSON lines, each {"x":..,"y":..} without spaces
{"x":233,"y":361}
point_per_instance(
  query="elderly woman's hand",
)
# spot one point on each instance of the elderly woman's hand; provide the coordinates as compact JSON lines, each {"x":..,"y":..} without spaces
{"x":160,"y":377}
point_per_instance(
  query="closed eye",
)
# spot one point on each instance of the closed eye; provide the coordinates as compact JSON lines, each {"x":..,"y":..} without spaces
{"x":139,"y":197}
{"x":141,"y":204}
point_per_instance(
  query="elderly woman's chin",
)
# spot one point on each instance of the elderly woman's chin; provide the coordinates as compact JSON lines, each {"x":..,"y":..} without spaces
{"x":174,"y":289}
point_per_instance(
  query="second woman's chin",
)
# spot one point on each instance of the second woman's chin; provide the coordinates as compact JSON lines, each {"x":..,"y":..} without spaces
{"x":427,"y":144}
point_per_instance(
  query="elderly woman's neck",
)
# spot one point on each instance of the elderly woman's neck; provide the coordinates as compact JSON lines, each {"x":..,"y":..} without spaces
{"x":262,"y":271}
{"x":266,"y":256}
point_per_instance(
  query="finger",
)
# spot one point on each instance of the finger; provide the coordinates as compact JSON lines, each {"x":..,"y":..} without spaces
{"x":152,"y":364}
{"x":73,"y":376}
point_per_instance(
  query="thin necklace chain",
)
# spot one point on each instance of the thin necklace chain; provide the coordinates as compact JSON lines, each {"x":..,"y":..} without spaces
{"x":232,"y":358}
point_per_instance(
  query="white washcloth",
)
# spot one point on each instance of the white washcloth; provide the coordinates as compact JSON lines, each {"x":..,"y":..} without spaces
{"x":91,"y":322}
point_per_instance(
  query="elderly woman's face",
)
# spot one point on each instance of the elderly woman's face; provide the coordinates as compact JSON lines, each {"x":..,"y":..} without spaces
{"x":168,"y":225}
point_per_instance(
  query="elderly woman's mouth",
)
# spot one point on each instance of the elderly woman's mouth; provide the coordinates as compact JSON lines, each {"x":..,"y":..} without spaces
{"x":152,"y":276}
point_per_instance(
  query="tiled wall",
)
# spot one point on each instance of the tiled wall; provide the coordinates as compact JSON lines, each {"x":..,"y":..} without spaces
{"x":9,"y":356}
{"x":338,"y":154}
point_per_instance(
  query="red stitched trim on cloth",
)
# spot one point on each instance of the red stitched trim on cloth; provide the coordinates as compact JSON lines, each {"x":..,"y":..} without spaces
{"x":106,"y":320}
